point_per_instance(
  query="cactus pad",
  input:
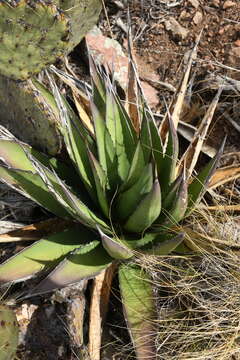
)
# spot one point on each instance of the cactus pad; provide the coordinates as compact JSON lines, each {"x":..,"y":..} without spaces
{"x":8,"y":333}
{"x":29,"y":114}
{"x":83,"y":15}
{"x":32,"y":35}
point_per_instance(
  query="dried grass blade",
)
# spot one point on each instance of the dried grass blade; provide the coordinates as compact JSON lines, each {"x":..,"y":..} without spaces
{"x":35,"y":231}
{"x":224,"y":175}
{"x":178,"y":100}
{"x":191,"y":155}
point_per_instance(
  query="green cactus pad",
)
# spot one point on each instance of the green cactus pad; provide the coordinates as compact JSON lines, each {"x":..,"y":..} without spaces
{"x":83,"y":15}
{"x":32,"y":35}
{"x":29,"y":114}
{"x":8,"y":333}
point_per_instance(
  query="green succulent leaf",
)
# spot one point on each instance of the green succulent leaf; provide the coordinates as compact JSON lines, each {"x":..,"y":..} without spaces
{"x":44,"y":254}
{"x":98,"y":86}
{"x":116,"y":248}
{"x":165,"y":247}
{"x":77,"y":140}
{"x":139,"y":308}
{"x":168,"y":167}
{"x":106,"y":150}
{"x":127,"y":201}
{"x":8,"y":333}
{"x":136,"y":168}
{"x":32,"y":186}
{"x":72,"y":203}
{"x":84,"y":263}
{"x":146,"y":212}
{"x":126,"y":138}
{"x":101,"y":184}
{"x":176,"y":212}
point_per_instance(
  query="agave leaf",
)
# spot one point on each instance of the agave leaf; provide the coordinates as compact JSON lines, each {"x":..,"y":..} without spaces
{"x":106,"y":150}
{"x":83,"y":263}
{"x":67,"y":198}
{"x":126,"y":138}
{"x":128,"y":200}
{"x":98,"y":86}
{"x":32,"y":186}
{"x":146,"y":239}
{"x":176,"y":211}
{"x":168,"y":166}
{"x":145,"y":137}
{"x":172,"y":193}
{"x":139,"y":308}
{"x":101,"y":184}
{"x":167,"y":246}
{"x":136,"y":169}
{"x":146,"y":212}
{"x":199,"y":185}
{"x":43,"y":255}
{"x":77,"y":140}
{"x":157,"y":147}
{"x":116,"y":248}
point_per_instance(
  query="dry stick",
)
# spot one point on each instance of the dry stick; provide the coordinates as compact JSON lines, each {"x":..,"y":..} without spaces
{"x":98,"y":309}
{"x":221,"y":207}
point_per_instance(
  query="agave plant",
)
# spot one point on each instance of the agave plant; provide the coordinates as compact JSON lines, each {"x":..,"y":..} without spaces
{"x":122,"y":190}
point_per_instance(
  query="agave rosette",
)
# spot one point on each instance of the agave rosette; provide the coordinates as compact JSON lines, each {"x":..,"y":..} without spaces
{"x":122,"y":191}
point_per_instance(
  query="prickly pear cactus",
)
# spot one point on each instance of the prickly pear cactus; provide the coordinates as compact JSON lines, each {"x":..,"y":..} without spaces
{"x":29,"y":114}
{"x":34,"y":33}
{"x":83,"y":15}
{"x":8,"y":333}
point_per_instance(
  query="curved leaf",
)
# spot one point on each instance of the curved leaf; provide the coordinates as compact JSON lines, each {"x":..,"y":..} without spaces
{"x":139,"y":308}
{"x":44,"y":254}
{"x":146,"y":212}
{"x":77,"y":266}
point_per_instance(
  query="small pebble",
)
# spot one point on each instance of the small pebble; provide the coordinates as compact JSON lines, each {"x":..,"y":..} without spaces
{"x":197,"y":19}
{"x":194,"y":3}
{"x":237,"y":42}
{"x":215,"y":3}
{"x":228,"y":4}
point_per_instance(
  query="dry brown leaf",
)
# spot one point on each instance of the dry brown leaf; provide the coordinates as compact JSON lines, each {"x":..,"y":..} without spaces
{"x":35,"y":231}
{"x":83,"y":109}
{"x":224,"y":175}
{"x":177,"y":103}
{"x":191,"y":155}
{"x":98,"y":309}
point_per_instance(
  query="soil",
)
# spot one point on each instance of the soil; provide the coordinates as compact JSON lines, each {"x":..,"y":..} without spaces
{"x":164,"y":31}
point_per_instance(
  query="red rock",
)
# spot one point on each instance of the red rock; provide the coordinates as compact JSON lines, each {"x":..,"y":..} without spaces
{"x":109,"y":52}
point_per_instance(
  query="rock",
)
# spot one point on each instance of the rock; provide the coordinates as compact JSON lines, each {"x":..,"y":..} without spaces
{"x":175,"y":28}
{"x":109,"y":52}
{"x":215,"y":3}
{"x":197,"y":19}
{"x":228,"y":4}
{"x":237,"y":42}
{"x":194,"y":3}
{"x":234,"y":57}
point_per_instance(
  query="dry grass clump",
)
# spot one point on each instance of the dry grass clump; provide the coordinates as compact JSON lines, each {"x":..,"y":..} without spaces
{"x":198,"y":299}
